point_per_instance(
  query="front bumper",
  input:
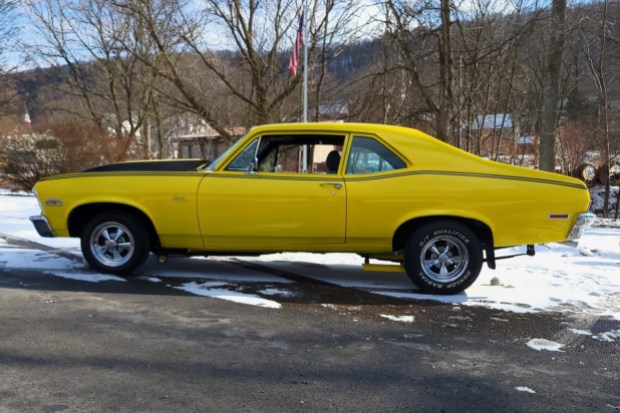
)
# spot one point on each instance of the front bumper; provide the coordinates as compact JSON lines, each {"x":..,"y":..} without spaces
{"x":42,"y":226}
{"x":583,"y":223}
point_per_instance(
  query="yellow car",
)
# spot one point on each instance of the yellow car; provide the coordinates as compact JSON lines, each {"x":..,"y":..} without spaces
{"x":385,"y":192}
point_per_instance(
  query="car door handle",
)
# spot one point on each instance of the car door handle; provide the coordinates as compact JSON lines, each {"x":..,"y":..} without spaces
{"x":335,"y":185}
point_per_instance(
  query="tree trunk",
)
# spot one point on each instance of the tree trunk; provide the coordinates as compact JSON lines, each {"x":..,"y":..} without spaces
{"x":551,"y":101}
{"x":445,"y":72}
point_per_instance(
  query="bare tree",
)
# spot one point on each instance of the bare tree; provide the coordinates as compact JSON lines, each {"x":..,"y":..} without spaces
{"x":330,"y":31}
{"x":412,"y":28}
{"x":8,"y":37}
{"x":463,"y":65}
{"x":115,"y":89}
{"x":176,"y":33}
{"x":487,"y":46}
{"x":249,"y":65}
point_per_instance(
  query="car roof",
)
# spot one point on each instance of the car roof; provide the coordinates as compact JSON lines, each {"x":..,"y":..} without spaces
{"x":395,"y":134}
{"x":331,"y":126}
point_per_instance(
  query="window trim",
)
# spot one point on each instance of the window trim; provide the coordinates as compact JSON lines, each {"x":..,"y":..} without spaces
{"x":345,"y":136}
{"x":237,"y":154}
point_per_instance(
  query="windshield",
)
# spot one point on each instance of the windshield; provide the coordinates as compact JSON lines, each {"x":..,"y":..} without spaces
{"x":217,"y":160}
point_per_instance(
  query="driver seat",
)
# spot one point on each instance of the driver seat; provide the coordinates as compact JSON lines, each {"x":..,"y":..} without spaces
{"x":332,"y":161}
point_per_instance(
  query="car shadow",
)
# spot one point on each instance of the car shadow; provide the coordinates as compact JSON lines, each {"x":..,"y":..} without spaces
{"x":32,"y":266}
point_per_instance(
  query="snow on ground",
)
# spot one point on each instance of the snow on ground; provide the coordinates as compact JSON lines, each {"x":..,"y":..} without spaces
{"x":401,"y":318}
{"x":608,"y":336}
{"x":13,"y":258}
{"x":93,"y":278}
{"x":558,"y":278}
{"x":582,"y":281}
{"x":15,"y":209}
{"x":209,"y":289}
{"x":541,"y":344}
{"x":580,"y":332}
{"x":525,"y":389}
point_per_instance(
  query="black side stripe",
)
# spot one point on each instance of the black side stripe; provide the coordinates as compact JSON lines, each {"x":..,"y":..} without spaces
{"x":470,"y":175}
{"x":353,"y":178}
{"x":322,"y":178}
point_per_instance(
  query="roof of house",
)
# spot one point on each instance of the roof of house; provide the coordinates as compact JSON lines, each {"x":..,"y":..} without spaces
{"x":212,"y":134}
{"x":492,"y":121}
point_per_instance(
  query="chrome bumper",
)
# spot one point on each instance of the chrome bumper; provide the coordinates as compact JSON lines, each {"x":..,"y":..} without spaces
{"x":42,"y":226}
{"x":583,"y":222}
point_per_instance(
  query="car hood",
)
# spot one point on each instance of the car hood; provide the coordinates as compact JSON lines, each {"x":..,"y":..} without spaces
{"x":182,"y":165}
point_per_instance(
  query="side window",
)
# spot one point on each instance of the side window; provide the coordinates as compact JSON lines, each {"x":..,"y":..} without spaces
{"x":243,"y":161}
{"x":368,"y":156}
{"x":287,"y":154}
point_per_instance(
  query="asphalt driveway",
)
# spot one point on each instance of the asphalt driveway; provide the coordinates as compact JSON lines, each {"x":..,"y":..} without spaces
{"x":141,"y":346}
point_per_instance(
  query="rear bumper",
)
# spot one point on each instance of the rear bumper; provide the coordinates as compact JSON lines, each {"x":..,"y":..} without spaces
{"x":583,"y":223}
{"x":42,"y":226}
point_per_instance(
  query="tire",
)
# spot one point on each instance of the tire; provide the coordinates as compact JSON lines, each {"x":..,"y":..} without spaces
{"x":443,"y":257}
{"x":115,"y":243}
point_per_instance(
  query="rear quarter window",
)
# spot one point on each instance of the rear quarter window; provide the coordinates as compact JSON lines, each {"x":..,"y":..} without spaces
{"x":369,"y":156}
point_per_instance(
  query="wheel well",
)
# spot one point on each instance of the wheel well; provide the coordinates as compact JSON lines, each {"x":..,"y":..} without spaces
{"x":80,"y":216}
{"x":482,"y":231}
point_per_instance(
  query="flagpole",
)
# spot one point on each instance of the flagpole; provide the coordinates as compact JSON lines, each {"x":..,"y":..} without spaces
{"x":304,"y":150}
{"x":305,"y":85}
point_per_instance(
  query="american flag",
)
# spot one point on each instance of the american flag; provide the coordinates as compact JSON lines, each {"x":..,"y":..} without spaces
{"x":299,"y":41}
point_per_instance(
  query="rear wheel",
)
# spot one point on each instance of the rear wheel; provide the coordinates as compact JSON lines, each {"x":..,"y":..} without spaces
{"x":115,"y":243}
{"x":443,"y":257}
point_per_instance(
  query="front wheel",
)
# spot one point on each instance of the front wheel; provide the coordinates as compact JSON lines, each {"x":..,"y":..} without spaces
{"x":115,"y":243}
{"x":443,"y":257}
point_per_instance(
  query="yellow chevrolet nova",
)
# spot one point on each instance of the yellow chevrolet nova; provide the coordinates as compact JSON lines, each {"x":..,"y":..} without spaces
{"x":379,"y":191}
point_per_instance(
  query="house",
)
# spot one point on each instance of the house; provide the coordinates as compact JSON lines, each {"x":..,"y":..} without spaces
{"x":204,"y":144}
{"x":499,"y":136}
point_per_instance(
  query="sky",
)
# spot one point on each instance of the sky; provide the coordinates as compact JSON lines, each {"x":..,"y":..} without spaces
{"x":367,"y":18}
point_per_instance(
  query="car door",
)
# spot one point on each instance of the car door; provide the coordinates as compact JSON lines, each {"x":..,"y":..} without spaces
{"x":267,"y":199}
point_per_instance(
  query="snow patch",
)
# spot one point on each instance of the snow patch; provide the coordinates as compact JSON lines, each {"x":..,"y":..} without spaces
{"x":276,"y":291}
{"x":608,"y":336}
{"x":15,"y":211}
{"x":541,"y":344}
{"x":207,"y":290}
{"x":525,"y":389}
{"x":93,"y":278}
{"x":21,"y":259}
{"x":401,"y":318}
{"x":580,"y":332}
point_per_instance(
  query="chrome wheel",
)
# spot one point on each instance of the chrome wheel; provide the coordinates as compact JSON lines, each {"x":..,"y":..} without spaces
{"x":112,"y":244}
{"x":444,"y":259}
